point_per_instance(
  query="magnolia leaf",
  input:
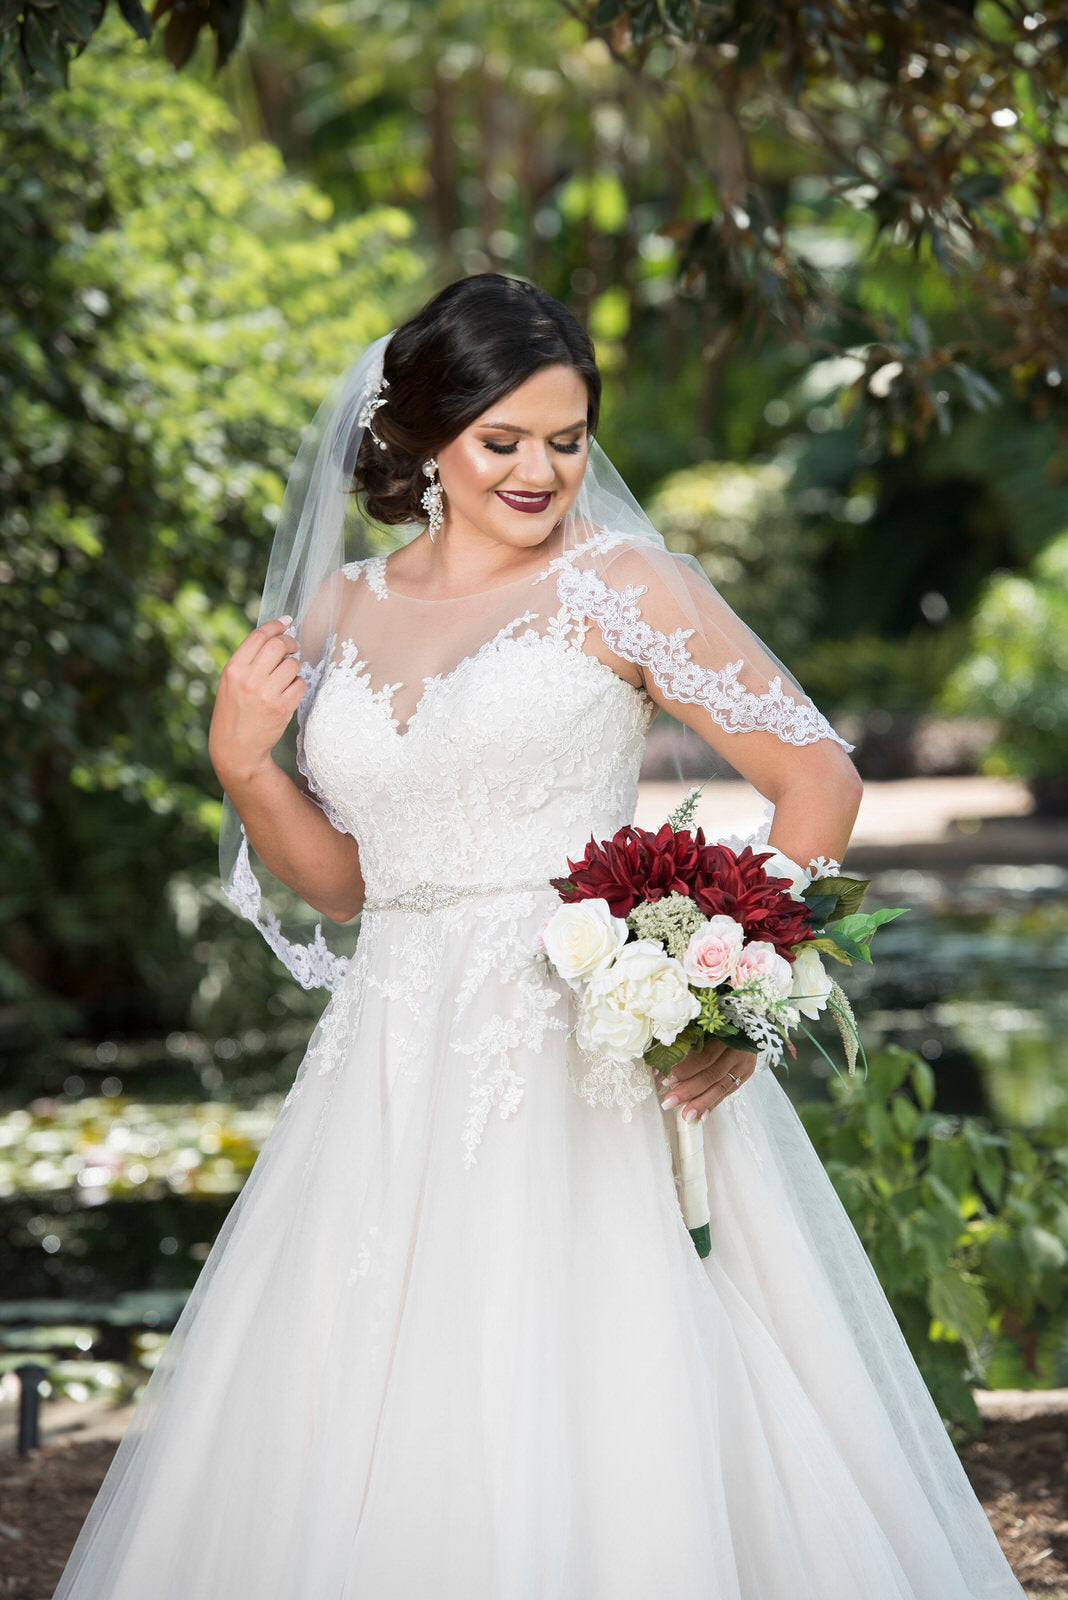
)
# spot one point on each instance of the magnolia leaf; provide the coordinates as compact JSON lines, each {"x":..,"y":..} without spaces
{"x":845,"y":894}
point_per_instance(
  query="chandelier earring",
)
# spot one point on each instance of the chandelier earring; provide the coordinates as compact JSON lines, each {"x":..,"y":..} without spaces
{"x":432,"y":498}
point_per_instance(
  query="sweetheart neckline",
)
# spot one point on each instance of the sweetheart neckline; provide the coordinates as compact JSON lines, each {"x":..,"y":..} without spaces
{"x":383,"y":695}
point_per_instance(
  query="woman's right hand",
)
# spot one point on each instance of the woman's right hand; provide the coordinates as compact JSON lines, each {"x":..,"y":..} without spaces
{"x":259,"y":690}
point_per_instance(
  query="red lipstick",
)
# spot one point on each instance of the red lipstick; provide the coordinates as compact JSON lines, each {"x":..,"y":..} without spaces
{"x":533,"y":503}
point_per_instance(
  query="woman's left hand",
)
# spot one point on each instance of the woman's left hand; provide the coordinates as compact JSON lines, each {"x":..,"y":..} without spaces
{"x":699,"y":1081}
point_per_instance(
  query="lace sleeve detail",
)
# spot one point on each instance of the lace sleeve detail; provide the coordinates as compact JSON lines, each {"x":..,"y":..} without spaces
{"x":733,"y":706}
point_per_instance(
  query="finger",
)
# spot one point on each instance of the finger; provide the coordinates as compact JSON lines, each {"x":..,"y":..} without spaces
{"x":251,"y":645}
{"x":696,"y":1061}
{"x":283,"y":674}
{"x":710,"y":1095}
{"x":271,"y":652}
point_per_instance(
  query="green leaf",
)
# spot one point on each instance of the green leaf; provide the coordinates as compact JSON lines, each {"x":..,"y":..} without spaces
{"x":879,"y":1126}
{"x":989,"y":1163}
{"x":905,"y":1116}
{"x":923,"y":1083}
{"x":134,"y":13}
{"x":959,"y":1304}
{"x":845,"y":894}
{"x":829,"y":947}
{"x":862,"y":924}
{"x":950,"y":1162}
{"x":854,"y":950}
{"x":44,"y":50}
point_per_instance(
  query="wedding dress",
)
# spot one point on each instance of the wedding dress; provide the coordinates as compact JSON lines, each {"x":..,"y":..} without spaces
{"x":453,"y":1341}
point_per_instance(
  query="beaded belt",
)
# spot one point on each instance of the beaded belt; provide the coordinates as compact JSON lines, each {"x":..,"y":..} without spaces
{"x":433,"y":896}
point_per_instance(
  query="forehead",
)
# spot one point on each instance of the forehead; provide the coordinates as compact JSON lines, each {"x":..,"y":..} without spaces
{"x":552,"y":398}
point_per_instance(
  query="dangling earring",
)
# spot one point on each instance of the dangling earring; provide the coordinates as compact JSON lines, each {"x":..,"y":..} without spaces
{"x":432,"y":499}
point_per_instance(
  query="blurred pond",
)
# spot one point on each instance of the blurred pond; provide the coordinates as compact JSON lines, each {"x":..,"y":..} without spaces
{"x":119,"y":1161}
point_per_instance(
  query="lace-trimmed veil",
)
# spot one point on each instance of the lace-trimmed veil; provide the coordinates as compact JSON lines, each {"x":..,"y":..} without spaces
{"x":651,"y":606}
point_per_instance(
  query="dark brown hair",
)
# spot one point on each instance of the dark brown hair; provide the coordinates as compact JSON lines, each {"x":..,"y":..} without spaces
{"x":472,"y":344}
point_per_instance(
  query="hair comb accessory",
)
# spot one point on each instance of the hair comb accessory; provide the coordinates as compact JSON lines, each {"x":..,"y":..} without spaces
{"x":368,"y":410}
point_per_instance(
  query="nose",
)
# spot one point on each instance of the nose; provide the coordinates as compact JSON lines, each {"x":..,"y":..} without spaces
{"x":535,"y":468}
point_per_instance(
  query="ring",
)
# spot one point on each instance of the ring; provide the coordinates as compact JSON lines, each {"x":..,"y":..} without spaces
{"x":738,"y":1081}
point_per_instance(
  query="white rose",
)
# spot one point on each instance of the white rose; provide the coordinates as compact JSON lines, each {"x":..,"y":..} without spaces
{"x":811,"y":986}
{"x":582,"y":936}
{"x":780,"y":866}
{"x":641,"y":996}
{"x":760,"y":959}
{"x":712,"y":951}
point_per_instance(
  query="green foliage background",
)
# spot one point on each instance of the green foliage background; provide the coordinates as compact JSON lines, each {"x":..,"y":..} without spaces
{"x":173,"y":308}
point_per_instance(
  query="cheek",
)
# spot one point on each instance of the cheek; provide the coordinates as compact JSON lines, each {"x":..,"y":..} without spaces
{"x":473,"y":469}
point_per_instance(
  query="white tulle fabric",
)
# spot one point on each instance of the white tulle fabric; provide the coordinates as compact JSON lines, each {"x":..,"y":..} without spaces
{"x":453,"y":1339}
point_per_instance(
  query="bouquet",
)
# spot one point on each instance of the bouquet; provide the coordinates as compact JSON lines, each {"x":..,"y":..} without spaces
{"x":668,"y":941}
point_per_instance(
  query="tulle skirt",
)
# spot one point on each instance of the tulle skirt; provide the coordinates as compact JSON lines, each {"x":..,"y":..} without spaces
{"x":454,"y":1340}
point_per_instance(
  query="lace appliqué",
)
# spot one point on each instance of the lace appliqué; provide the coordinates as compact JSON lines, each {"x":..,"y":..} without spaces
{"x":499,"y":948}
{"x":313,"y":965}
{"x":729,"y":703}
{"x":615,"y":1085}
{"x":372,"y":568}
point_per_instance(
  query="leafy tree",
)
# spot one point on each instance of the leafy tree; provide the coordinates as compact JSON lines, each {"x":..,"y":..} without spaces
{"x":172,"y":309}
{"x":39,"y":37}
{"x":922,"y":136}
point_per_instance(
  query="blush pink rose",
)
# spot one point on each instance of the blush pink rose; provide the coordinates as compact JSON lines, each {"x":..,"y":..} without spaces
{"x":712,"y":951}
{"x":760,"y":959}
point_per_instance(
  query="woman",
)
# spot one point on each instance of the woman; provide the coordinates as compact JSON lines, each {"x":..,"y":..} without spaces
{"x":454,"y":1339}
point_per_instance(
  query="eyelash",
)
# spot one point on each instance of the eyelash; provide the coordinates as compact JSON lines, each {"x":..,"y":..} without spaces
{"x":509,"y":449}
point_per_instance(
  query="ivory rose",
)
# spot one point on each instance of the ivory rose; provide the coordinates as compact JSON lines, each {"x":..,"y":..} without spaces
{"x":811,"y":986}
{"x":581,"y":937}
{"x":712,"y":951}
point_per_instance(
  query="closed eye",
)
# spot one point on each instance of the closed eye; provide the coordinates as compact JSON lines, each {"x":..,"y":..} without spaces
{"x":509,"y":449}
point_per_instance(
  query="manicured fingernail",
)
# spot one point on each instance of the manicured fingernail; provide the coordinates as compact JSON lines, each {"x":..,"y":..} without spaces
{"x":672,"y":1100}
{"x":690,"y":1113}
{"x":704,"y":1113}
{"x":285,"y":619}
{"x":670,"y":1081}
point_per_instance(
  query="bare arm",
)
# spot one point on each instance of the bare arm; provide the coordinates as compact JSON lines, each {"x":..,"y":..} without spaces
{"x":259,"y":691}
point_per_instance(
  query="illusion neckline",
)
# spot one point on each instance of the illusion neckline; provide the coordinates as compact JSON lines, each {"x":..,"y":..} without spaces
{"x":376,"y":566}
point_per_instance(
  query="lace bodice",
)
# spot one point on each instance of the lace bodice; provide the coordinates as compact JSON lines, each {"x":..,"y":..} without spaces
{"x":509,"y":758}
{"x":506,"y":764}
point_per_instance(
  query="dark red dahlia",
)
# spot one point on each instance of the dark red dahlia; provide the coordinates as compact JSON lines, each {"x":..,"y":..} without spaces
{"x":636,"y":865}
{"x":633,"y":865}
{"x":738,"y":887}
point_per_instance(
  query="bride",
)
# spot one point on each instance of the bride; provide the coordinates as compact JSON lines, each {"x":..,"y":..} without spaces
{"x":454,"y":1340}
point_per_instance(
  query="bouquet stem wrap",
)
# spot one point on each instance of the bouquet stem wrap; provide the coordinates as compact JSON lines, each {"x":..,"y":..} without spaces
{"x":693,"y":1181}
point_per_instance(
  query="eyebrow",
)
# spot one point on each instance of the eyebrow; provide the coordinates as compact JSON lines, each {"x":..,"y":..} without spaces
{"x":510,"y":427}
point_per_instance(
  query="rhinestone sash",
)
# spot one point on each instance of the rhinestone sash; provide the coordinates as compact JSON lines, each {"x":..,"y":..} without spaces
{"x":427,"y":896}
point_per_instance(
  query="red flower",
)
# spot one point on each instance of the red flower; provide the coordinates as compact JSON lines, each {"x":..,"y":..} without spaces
{"x":738,"y":886}
{"x":633,"y":865}
{"x":636,"y":865}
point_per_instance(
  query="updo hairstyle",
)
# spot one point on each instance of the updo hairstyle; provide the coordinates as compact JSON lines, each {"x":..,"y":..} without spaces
{"x":469,"y":346}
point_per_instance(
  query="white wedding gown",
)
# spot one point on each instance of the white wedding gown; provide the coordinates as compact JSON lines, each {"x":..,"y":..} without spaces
{"x":454,"y":1341}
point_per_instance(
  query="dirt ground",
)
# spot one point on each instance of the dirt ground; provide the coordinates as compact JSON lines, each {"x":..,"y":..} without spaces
{"x":1019,"y":1469}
